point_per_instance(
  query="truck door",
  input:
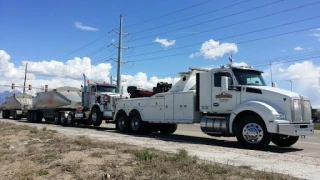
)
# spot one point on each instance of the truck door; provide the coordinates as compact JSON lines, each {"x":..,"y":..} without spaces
{"x":223,"y":102}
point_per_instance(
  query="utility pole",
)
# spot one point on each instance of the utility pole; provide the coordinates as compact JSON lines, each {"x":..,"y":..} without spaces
{"x":25,"y":78}
{"x":119,"y":61}
{"x":119,"y":55}
{"x":291,"y":84}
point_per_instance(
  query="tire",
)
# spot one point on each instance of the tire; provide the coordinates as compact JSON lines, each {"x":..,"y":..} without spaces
{"x":4,"y":114}
{"x":122,"y":123}
{"x":37,"y":117}
{"x":57,"y":120}
{"x":19,"y":117}
{"x":137,"y":126}
{"x":168,"y":128}
{"x":284,"y":140}
{"x":70,"y":120}
{"x":15,"y":115}
{"x":63,"y":119}
{"x":252,"y":133}
{"x":30,"y":116}
{"x":96,"y":117}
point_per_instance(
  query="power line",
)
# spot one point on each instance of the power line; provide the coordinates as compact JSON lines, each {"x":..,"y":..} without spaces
{"x":242,"y":34}
{"x":289,"y":61}
{"x":267,"y":37}
{"x":192,"y":17}
{"x":234,"y":24}
{"x":168,"y":14}
{"x":205,"y":22}
{"x":83,"y":46}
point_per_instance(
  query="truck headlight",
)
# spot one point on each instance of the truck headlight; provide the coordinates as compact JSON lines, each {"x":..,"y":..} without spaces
{"x":280,"y":116}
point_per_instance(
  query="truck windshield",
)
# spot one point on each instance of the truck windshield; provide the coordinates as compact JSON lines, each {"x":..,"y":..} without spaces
{"x":249,"y":77}
{"x":106,"y":89}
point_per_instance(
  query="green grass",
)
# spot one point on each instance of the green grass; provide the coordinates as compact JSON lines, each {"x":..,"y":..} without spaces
{"x":316,"y":126}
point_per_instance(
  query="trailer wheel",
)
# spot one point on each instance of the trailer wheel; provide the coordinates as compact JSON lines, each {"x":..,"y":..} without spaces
{"x":3,"y":114}
{"x":14,"y":117}
{"x":252,"y":133}
{"x":63,"y":119}
{"x":168,"y":128}
{"x":137,"y":126}
{"x":6,"y":114}
{"x":284,"y":140}
{"x":37,"y":117}
{"x":29,"y":116}
{"x":122,"y":123}
{"x":70,"y":120}
{"x":56,"y":117}
{"x":96,"y":117}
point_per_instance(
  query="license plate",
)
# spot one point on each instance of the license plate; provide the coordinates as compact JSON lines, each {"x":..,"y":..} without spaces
{"x":304,"y":131}
{"x":78,"y":115}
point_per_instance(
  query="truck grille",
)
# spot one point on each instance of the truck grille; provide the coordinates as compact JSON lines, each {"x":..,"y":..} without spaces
{"x":301,"y":111}
{"x":306,"y":111}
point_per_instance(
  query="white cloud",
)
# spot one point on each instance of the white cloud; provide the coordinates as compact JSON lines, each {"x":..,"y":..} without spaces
{"x":53,"y":73}
{"x":303,"y":83}
{"x":79,"y":25}
{"x":212,"y":49}
{"x":298,"y":48}
{"x":316,"y":35}
{"x":165,"y":42}
{"x":56,"y":74}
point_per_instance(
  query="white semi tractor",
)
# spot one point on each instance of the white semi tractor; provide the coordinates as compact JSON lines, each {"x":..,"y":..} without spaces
{"x":226,"y":101}
{"x":67,"y":106}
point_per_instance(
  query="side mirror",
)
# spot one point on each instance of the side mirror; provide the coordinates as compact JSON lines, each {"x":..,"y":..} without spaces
{"x":224,"y":84}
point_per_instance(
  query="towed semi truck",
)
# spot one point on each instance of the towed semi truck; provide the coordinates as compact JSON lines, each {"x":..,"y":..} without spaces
{"x":17,"y":106}
{"x":226,"y":101}
{"x":67,"y":106}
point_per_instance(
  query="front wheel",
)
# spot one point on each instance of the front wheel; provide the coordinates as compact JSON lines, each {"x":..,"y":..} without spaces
{"x":96,"y":117}
{"x":252,"y":133}
{"x":284,"y":140}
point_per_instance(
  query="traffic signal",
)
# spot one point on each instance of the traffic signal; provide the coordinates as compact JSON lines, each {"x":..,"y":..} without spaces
{"x":46,"y":88}
{"x":30,"y":87}
{"x":13,"y":86}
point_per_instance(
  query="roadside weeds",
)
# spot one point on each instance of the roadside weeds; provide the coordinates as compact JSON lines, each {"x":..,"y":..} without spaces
{"x":31,"y":153}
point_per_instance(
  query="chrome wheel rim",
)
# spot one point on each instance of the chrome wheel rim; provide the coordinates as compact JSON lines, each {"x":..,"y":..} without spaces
{"x":252,"y":133}
{"x":121,"y":122}
{"x":94,"y":117}
{"x":135,"y":123}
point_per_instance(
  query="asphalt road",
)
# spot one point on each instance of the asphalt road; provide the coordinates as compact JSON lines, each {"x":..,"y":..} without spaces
{"x":192,"y":134}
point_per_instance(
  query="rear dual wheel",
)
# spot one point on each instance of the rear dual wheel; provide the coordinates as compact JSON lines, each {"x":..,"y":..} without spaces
{"x":168,"y":128}
{"x":122,"y":123}
{"x":5,"y":114}
{"x":16,"y":116}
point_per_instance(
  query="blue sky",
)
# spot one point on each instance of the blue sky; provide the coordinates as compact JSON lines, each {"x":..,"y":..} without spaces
{"x":45,"y":30}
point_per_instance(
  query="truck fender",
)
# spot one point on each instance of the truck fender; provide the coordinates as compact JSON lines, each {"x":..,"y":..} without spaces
{"x":265,"y":111}
{"x":117,"y":113}
{"x":128,"y":111}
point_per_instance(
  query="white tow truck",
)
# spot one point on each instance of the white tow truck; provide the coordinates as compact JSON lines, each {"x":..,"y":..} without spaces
{"x":226,"y":101}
